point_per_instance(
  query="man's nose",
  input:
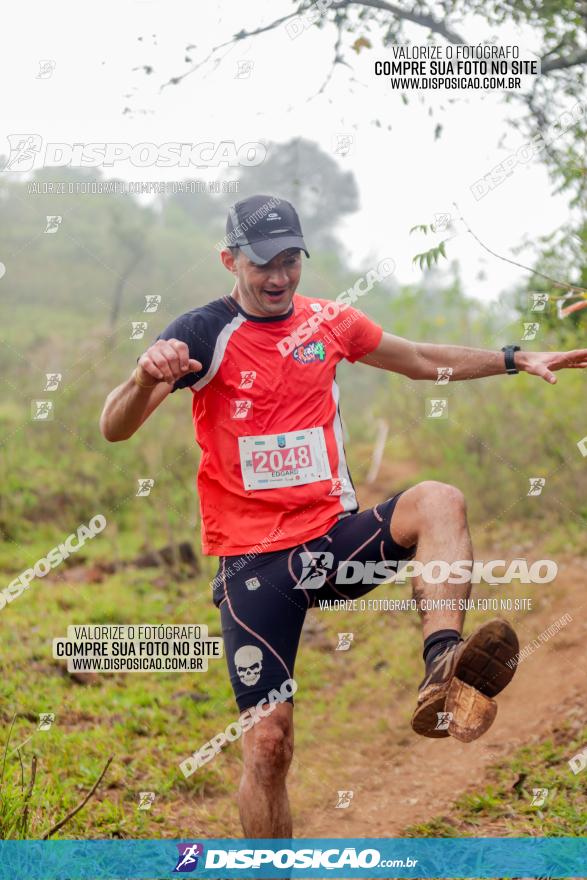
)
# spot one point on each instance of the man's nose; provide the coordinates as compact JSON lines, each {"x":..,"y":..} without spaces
{"x":278,"y":277}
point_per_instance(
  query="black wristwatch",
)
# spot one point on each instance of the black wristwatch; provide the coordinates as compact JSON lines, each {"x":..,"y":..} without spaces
{"x":510,"y":364}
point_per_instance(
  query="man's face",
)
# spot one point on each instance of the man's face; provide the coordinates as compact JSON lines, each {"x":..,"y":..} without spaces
{"x":268,"y":290}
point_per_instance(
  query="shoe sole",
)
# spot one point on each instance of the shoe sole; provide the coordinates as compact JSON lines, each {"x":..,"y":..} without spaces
{"x":484,"y":661}
{"x":471,"y":713}
{"x":483,"y":667}
{"x":425,"y":718}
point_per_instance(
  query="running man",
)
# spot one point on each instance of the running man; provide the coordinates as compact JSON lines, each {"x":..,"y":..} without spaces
{"x":277,"y":498}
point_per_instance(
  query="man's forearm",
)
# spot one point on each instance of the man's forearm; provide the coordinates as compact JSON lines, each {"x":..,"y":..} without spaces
{"x":154,"y":377}
{"x":127,"y":407}
{"x":422,"y":360}
{"x":459,"y":362}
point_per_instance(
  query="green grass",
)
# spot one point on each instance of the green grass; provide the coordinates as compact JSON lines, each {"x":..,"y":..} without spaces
{"x":148,"y":722}
{"x":504,"y":808}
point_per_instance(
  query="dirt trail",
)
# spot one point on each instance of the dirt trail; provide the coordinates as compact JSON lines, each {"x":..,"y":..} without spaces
{"x":399,"y":779}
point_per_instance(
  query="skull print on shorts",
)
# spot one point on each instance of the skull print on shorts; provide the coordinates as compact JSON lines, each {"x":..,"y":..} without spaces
{"x":249,"y":661}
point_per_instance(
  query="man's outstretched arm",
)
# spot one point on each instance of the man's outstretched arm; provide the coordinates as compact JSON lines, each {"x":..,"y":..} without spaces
{"x":131,"y":403}
{"x":422,"y":360}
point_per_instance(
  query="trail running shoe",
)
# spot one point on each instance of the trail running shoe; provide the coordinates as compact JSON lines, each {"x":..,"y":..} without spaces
{"x":455,"y":698}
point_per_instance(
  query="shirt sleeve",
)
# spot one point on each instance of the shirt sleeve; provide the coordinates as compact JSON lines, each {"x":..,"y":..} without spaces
{"x":191,"y":328}
{"x":358,"y":335}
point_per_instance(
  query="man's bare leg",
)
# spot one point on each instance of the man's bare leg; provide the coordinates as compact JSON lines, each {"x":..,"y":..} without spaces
{"x":461,"y":679}
{"x":433,"y":516}
{"x":267,"y":751}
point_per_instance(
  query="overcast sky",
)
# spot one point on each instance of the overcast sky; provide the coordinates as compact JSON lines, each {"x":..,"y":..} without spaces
{"x":404,"y":175}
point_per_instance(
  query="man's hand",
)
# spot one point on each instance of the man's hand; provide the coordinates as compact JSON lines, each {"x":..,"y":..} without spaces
{"x":545,"y":363}
{"x":127,"y":407}
{"x":167,"y":360}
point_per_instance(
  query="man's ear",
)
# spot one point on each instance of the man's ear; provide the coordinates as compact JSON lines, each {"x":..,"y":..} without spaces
{"x":228,"y":260}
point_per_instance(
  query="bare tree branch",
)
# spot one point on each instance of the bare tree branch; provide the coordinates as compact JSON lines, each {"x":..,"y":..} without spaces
{"x":242,"y":35}
{"x":337,"y":59}
{"x":419,"y":18}
{"x":552,"y":61}
{"x":541,"y":122}
{"x":564,"y":285}
{"x":27,"y":798}
{"x":565,"y":63}
{"x":21,"y":772}
{"x":14,"y":717}
{"x":72,"y":813}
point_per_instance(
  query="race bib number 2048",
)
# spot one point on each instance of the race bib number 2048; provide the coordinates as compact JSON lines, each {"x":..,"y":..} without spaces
{"x":272,"y":461}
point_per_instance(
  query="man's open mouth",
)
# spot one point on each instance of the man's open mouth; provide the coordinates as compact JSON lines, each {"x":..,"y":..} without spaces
{"x":275,"y":292}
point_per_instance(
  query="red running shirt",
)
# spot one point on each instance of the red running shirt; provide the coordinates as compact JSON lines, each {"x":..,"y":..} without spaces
{"x":273,"y":472}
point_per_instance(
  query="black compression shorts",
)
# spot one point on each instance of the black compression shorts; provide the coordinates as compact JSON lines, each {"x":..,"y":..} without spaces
{"x":263,"y":600}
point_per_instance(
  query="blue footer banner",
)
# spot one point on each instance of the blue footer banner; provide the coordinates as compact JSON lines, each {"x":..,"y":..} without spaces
{"x":303,"y":857}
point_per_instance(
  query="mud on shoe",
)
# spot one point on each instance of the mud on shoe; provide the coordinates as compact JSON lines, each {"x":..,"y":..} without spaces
{"x":456,"y":697}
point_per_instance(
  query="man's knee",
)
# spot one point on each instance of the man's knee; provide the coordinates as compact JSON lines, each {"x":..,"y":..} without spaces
{"x":425,"y":505}
{"x":432,"y":498}
{"x":268,"y":747}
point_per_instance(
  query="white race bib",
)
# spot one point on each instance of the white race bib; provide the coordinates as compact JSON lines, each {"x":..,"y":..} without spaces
{"x":272,"y":461}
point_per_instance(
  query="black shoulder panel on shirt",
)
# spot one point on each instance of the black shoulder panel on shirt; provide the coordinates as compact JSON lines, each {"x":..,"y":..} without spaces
{"x":200,"y":329}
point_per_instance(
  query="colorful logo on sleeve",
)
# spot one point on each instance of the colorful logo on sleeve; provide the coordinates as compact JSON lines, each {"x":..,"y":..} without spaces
{"x":307,"y":354}
{"x":188,"y":857}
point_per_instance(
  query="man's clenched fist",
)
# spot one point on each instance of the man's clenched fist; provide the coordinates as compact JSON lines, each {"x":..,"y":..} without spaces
{"x":167,"y":360}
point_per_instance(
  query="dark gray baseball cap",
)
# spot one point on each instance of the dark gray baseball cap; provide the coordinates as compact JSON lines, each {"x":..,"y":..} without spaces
{"x":264,"y":226}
